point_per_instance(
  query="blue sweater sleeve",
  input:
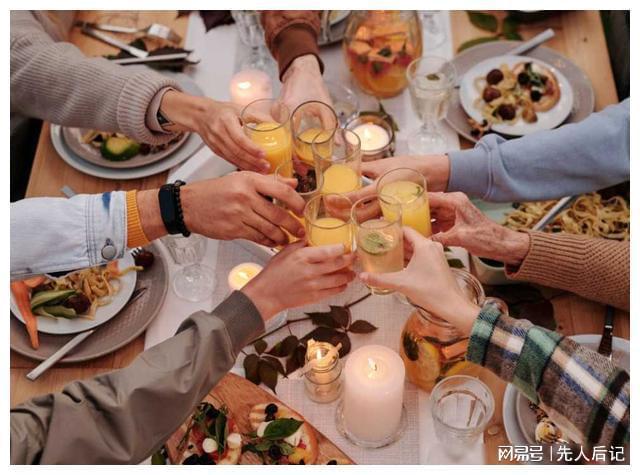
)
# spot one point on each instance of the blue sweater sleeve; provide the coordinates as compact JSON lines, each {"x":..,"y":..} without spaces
{"x":573,"y":159}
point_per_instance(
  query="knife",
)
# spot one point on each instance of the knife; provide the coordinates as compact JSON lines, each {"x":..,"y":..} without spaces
{"x":186,"y":56}
{"x":132,"y":50}
{"x":75,"y":341}
{"x":560,"y":206}
{"x":606,"y":341}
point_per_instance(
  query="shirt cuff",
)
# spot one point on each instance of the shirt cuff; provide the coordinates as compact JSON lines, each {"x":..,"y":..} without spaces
{"x":295,"y":41}
{"x":154,"y":108}
{"x":135,"y":234}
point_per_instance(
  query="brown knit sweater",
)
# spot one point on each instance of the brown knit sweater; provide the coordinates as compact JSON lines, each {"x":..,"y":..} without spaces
{"x":598,"y":269}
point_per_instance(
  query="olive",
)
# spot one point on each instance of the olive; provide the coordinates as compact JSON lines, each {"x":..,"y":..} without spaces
{"x":494,"y":76}
{"x":42,"y":288}
{"x":506,"y":111}
{"x":270,"y":417}
{"x":536,"y":95}
{"x":274,"y":452}
{"x":79,"y":302}
{"x":192,"y":459}
{"x":144,"y":259}
{"x":332,"y":462}
{"x":523,"y":79}
{"x":271,"y":409}
{"x":205,"y":459}
{"x":475,"y":133}
{"x":490,"y":93}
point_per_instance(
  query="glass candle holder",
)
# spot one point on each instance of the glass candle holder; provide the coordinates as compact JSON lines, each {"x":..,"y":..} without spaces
{"x":339,"y":161}
{"x":312,"y":121}
{"x":266,"y":122}
{"x":377,"y":138}
{"x":322,"y":380}
{"x":327,"y":221}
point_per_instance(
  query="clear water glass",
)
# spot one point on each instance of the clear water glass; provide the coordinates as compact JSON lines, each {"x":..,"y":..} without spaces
{"x":194,"y":282}
{"x":252,"y":35}
{"x":432,"y":33}
{"x":431,"y":83}
{"x":461,"y":407}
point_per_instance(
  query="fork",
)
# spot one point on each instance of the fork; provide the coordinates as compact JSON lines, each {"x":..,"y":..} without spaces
{"x":135,"y":252}
{"x":155,"y":30}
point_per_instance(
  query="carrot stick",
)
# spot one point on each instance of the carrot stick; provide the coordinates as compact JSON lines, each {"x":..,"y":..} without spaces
{"x":112,"y":267}
{"x":33,"y":282}
{"x":21,"y":293}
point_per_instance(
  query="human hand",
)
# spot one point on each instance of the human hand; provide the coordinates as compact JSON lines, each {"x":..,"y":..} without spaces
{"x":303,"y":82}
{"x":302,"y":275}
{"x":428,"y":282}
{"x":219,"y":126}
{"x":459,"y":223}
{"x":435,"y":169}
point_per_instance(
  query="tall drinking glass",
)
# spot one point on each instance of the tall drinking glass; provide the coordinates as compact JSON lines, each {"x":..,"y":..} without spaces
{"x":328,"y":221}
{"x":252,"y":35}
{"x":266,"y":122}
{"x":312,"y":120}
{"x":339,"y":161}
{"x":378,"y":239}
{"x":409,"y":188}
{"x":194,"y":282}
{"x":431,"y":82}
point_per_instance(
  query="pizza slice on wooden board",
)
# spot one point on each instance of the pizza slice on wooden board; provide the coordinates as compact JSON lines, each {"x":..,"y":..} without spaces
{"x":251,"y":412}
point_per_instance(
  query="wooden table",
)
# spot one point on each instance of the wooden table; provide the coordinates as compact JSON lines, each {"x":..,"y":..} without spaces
{"x":579,"y":36}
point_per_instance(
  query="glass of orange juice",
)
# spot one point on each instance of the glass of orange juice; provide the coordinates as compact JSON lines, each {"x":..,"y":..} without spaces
{"x":339,"y":161}
{"x":308,"y":185}
{"x":408,"y":187}
{"x":327,"y":221}
{"x":311,"y":120}
{"x":266,"y":122}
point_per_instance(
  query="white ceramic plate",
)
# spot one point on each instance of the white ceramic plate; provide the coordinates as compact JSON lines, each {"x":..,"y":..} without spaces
{"x":336,"y":16}
{"x":546,"y":120}
{"x":520,"y":421}
{"x":63,"y":326}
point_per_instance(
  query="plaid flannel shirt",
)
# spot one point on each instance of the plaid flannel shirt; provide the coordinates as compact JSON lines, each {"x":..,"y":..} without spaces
{"x":582,"y":391}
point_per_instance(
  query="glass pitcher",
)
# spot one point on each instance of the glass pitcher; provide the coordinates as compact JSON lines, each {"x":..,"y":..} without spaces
{"x":432,"y":348}
{"x":378,"y":47}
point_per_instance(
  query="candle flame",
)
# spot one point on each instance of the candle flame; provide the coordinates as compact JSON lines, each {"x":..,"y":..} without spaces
{"x":244,"y":84}
{"x":366,"y":134}
{"x":319,"y":354}
{"x":373,"y":367}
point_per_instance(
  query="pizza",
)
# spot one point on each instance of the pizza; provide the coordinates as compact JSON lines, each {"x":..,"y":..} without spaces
{"x":281,"y":436}
{"x":211,"y":438}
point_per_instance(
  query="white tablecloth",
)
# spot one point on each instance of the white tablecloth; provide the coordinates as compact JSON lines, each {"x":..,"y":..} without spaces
{"x":221,"y":51}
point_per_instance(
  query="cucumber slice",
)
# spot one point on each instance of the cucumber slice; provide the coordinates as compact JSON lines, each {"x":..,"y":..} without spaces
{"x":50,"y":297}
{"x":118,"y":149}
{"x":56,"y":311}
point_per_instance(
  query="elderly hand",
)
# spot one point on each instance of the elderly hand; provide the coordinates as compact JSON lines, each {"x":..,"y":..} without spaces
{"x":218,"y":124}
{"x":304,"y":275}
{"x":435,"y":169}
{"x":428,"y":282}
{"x":303,"y":82}
{"x":235,"y":206}
{"x":459,"y":223}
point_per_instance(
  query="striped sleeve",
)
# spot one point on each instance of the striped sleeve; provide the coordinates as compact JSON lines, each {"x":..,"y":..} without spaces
{"x":581,"y":390}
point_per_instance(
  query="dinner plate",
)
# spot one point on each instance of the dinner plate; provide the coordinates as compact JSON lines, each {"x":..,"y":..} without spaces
{"x":546,"y":120}
{"x":114,"y":334}
{"x":73,"y":138}
{"x":520,"y":421}
{"x":336,"y":16}
{"x":583,"y":95}
{"x":64,"y":326}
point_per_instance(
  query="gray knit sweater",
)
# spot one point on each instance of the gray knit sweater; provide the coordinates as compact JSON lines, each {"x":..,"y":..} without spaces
{"x":52,"y":80}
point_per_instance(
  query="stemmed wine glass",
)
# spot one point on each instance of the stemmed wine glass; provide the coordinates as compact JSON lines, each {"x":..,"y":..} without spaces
{"x":194,"y":282}
{"x":252,"y":35}
{"x":431,"y":82}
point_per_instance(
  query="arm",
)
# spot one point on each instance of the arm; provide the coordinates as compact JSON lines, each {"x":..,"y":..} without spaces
{"x":126,"y":415}
{"x":598,"y":269}
{"x":573,"y":159}
{"x":54,"y":81}
{"x":581,"y":390}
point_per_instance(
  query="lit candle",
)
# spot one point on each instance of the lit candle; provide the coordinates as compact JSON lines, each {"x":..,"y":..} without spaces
{"x":373,"y":392}
{"x":372,"y":137}
{"x":250,"y":85}
{"x":241,"y":274}
{"x":322,"y":371}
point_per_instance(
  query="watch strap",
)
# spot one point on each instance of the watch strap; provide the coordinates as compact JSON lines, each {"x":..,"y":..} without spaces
{"x":171,"y":208}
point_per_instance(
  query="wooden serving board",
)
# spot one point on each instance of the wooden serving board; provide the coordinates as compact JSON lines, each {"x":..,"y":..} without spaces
{"x":240,"y":395}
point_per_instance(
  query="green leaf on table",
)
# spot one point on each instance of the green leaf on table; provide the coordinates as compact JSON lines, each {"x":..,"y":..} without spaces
{"x":510,"y":25}
{"x":455,"y":263}
{"x":284,"y":347}
{"x":276,"y":363}
{"x":336,"y":317}
{"x":514,"y":35}
{"x":250,"y":364}
{"x":362,"y":326}
{"x":291,"y":364}
{"x":477,"y":41}
{"x":281,"y":428}
{"x":341,"y":315}
{"x":268,"y":374}
{"x":260,"y":346}
{"x":484,"y":21}
{"x":330,"y":335}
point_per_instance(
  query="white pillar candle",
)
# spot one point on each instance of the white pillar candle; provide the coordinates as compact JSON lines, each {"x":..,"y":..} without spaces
{"x":373,"y":392}
{"x":372,"y":137}
{"x":250,"y":85}
{"x":241,"y":274}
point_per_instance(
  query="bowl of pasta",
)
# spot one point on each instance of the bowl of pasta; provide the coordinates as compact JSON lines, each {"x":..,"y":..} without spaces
{"x":515,"y":96}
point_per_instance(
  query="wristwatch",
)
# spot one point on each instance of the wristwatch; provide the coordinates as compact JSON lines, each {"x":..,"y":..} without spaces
{"x":171,"y":208}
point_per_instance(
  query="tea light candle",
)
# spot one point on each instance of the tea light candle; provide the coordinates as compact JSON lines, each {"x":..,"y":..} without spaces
{"x":241,"y":274}
{"x":372,"y":137}
{"x":373,"y":393}
{"x":250,"y":85}
{"x":322,"y":371}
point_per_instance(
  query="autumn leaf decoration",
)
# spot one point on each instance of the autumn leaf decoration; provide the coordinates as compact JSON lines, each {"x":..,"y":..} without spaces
{"x":489,"y":23}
